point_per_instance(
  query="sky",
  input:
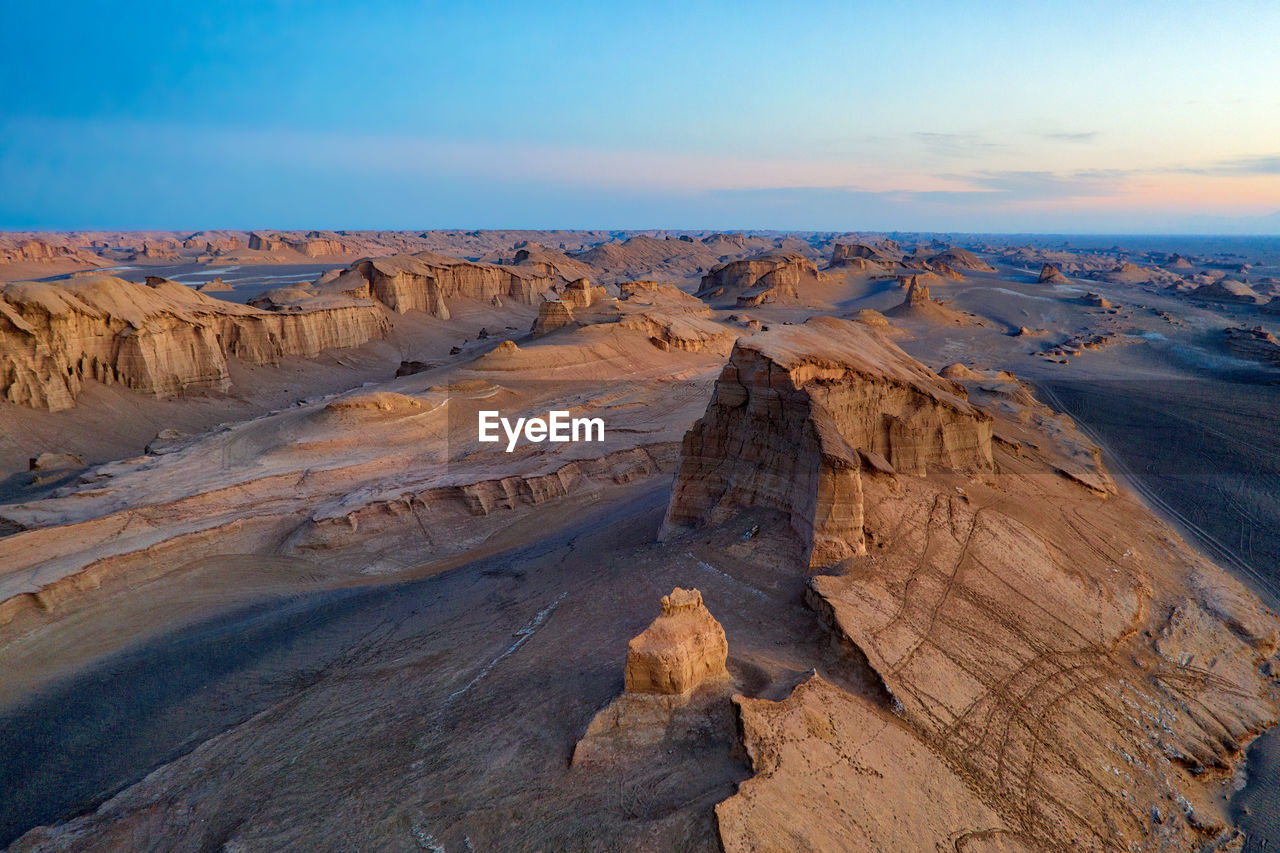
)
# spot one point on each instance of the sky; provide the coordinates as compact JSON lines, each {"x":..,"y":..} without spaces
{"x":1027,"y":116}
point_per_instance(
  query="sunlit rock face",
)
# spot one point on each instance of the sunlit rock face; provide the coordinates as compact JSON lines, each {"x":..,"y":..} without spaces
{"x":796,"y":414}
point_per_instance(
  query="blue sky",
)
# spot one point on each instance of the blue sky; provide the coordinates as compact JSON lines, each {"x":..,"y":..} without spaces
{"x":1019,"y":116}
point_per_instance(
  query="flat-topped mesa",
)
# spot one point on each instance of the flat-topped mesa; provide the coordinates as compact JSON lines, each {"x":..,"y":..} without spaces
{"x":682,"y":648}
{"x":796,"y":412}
{"x":764,"y":278}
{"x":162,"y":338}
{"x":425,"y":281}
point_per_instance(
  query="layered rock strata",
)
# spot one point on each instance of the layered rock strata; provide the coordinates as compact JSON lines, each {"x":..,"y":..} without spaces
{"x":764,"y":278}
{"x":794,"y":415}
{"x":426,"y":282}
{"x":161,"y":338}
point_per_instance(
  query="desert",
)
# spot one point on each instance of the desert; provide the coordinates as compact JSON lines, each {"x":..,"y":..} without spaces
{"x":560,"y":427}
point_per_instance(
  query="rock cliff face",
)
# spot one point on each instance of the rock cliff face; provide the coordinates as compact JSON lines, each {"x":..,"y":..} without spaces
{"x":161,"y":338}
{"x":794,"y":416}
{"x":1051,"y":668}
{"x":764,"y":278}
{"x":426,"y":281}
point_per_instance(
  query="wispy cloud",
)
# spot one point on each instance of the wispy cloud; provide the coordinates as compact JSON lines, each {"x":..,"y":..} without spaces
{"x":955,"y":144}
{"x":1079,"y":137}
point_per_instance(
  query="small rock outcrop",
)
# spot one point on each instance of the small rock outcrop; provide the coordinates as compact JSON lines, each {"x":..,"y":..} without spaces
{"x":551,"y":316}
{"x":792,"y":417}
{"x":1050,"y":274}
{"x":678,"y":660}
{"x":858,"y":256}
{"x":1255,"y":344}
{"x":581,"y":293}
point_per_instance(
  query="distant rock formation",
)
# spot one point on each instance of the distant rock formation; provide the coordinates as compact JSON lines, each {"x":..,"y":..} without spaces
{"x":426,"y":281}
{"x":1255,"y":344}
{"x":770,"y":277}
{"x":794,"y":415}
{"x":1050,"y":274}
{"x":684,"y":649}
{"x":38,"y":251}
{"x":161,"y":338}
{"x":1228,"y":291}
{"x":919,"y":305}
{"x":859,"y":256}
{"x":1097,"y":300}
{"x":216,"y":285}
{"x":961,"y":259}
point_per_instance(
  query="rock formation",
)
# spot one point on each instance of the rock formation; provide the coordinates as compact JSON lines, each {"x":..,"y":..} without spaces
{"x":1256,"y":344}
{"x":858,"y":255}
{"x":919,"y":305}
{"x":1050,"y":274}
{"x":162,"y":338}
{"x":1227,"y":291}
{"x":426,"y":281}
{"x":961,"y":259}
{"x":1012,"y":626}
{"x":684,"y":649}
{"x":762,"y":279}
{"x":796,"y":412}
{"x":581,"y":293}
{"x":552,"y":315}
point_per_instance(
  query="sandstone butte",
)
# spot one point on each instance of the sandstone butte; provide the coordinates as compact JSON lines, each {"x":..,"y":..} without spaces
{"x":860,"y":400}
{"x":682,"y":651}
{"x":1055,"y":669}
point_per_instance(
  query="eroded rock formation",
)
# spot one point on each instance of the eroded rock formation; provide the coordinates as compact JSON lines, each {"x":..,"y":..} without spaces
{"x":793,"y":416}
{"x":426,"y":281}
{"x":683,"y":650}
{"x":162,"y":338}
{"x":764,"y":278}
{"x":1049,"y":274}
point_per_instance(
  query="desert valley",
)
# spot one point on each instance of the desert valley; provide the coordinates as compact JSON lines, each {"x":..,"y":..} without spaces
{"x":891,"y":541}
